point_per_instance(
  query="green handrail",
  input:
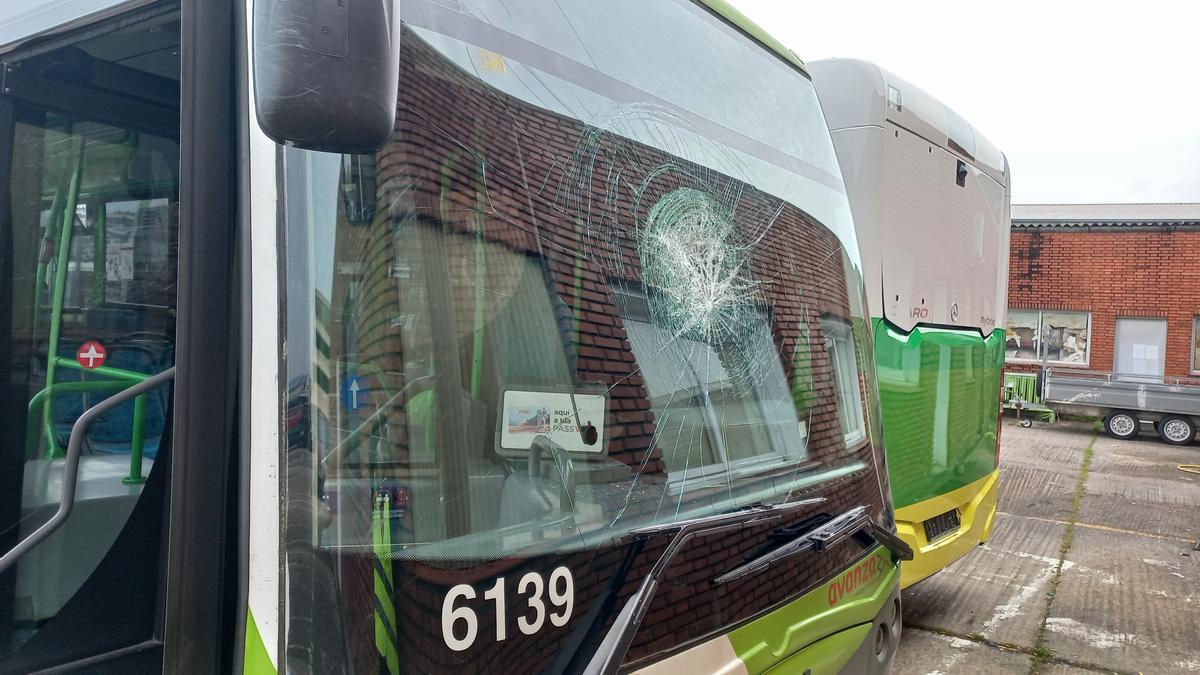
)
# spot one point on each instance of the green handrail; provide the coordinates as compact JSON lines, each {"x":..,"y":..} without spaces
{"x":130,"y":376}
{"x":138,"y":432}
{"x":61,"y":265}
{"x":48,"y":237}
{"x":59,"y":231}
{"x":32,"y":439}
{"x":136,"y":442}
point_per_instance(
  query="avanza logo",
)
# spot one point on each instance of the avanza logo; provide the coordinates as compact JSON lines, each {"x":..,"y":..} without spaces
{"x":863,"y":573}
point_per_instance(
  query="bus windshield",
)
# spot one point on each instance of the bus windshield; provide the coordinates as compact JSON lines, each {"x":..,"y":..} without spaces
{"x":595,"y":281}
{"x":575,"y":293}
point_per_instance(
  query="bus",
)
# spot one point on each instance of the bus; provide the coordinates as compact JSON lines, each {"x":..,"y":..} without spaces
{"x":930,"y":197}
{"x":430,"y":336}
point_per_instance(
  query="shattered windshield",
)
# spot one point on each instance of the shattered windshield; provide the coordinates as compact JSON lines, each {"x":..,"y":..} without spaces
{"x":595,"y":280}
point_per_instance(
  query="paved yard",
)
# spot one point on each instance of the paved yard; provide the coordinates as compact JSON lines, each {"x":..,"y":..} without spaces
{"x":1090,"y":567}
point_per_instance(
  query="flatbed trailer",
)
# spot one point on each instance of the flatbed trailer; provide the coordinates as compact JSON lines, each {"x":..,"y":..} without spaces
{"x":1170,"y":405}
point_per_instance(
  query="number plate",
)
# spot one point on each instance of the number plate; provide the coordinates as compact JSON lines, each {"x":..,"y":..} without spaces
{"x":940,"y":526}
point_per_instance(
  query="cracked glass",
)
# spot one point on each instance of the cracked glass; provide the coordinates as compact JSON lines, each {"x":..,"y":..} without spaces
{"x":649,"y":287}
{"x":594,"y":281}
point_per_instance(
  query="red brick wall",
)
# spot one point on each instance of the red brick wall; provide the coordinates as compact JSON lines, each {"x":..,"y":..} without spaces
{"x":1112,"y":274}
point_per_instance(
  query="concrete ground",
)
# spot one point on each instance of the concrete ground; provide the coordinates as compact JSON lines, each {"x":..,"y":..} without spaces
{"x":1089,"y":569}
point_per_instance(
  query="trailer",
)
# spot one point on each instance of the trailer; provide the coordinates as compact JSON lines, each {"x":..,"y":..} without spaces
{"x":1169,"y":405}
{"x":1022,"y":394}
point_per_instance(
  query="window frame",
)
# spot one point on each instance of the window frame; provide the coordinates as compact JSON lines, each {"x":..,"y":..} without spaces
{"x":1194,"y":367}
{"x":191,"y":615}
{"x":836,"y":331}
{"x":723,"y":467}
{"x":1087,"y":353}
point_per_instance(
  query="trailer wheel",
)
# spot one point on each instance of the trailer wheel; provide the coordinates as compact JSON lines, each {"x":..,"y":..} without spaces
{"x":1176,"y":430}
{"x":1121,"y":424}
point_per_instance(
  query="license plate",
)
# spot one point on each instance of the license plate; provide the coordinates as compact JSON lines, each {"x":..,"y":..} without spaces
{"x":940,"y":526}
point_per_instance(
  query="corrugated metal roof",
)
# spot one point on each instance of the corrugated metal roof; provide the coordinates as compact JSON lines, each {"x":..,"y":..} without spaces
{"x":1106,"y":215}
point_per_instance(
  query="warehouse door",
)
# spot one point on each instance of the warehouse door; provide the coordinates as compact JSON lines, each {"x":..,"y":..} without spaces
{"x":1140,"y":348}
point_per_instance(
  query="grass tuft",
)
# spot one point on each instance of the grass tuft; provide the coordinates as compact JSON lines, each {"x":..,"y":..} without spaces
{"x":1040,"y":653}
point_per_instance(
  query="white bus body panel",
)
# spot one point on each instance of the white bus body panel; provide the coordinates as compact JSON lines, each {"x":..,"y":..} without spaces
{"x":933,"y":252}
{"x":264,"y":585}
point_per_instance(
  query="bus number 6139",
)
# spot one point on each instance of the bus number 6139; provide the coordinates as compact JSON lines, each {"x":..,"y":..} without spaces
{"x":460,"y":625}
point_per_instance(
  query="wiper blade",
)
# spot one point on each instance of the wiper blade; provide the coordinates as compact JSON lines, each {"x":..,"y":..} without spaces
{"x":612,"y":649}
{"x":823,"y":536}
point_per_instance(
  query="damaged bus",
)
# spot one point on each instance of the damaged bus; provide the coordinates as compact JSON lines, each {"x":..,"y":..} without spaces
{"x":430,"y":336}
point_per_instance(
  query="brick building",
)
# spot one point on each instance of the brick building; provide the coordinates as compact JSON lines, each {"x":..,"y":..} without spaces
{"x":1110,"y":287}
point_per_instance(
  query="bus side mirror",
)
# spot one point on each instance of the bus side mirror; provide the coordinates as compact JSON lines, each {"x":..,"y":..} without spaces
{"x":326,"y":72}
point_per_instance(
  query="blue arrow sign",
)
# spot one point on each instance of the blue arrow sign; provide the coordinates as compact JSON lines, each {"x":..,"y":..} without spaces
{"x":354,"y":392}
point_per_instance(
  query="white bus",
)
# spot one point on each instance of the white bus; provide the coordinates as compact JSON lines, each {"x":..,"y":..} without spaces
{"x":930,"y":197}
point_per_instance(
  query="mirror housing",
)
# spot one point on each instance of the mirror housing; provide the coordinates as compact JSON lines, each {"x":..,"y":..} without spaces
{"x":326,"y":72}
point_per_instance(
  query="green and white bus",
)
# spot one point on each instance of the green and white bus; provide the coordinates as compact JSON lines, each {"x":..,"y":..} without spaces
{"x":435,"y":336}
{"x":931,"y":201}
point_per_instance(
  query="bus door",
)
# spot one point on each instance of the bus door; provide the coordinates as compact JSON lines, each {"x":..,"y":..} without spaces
{"x":89,"y":318}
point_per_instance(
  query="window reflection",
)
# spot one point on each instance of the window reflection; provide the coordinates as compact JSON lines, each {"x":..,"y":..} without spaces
{"x":1058,"y":337}
{"x":555,"y":307}
{"x":520,"y":276}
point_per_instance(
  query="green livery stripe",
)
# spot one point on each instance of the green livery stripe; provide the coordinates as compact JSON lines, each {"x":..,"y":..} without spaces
{"x":940,"y":390}
{"x":802,"y":626}
{"x":255,"y":659}
{"x":386,"y":639}
{"x":827,"y":656}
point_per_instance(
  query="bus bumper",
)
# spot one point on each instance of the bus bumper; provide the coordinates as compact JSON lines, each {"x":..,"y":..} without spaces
{"x":976,"y":506}
{"x":821,"y":633}
{"x":872,"y":647}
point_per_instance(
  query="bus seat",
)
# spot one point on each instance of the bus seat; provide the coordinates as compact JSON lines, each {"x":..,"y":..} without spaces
{"x":114,"y":432}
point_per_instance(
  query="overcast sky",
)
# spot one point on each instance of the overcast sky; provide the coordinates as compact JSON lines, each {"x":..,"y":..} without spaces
{"x":1091,"y":101}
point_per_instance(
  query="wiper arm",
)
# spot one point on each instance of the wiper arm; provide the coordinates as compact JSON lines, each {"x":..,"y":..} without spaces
{"x":611,"y":651}
{"x":819,"y":538}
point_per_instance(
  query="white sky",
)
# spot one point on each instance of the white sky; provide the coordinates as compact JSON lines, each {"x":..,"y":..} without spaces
{"x":1091,"y":101}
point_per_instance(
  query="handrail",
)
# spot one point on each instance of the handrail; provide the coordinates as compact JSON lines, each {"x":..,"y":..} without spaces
{"x":121,"y":378}
{"x":108,"y":371}
{"x":71,"y":468}
{"x":48,"y":393}
{"x":61,"y":265}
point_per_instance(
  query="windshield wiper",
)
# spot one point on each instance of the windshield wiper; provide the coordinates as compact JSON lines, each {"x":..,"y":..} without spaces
{"x":611,"y":651}
{"x":823,"y":536}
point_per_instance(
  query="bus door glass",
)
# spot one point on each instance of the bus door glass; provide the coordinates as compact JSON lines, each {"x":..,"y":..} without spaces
{"x":89,"y":173}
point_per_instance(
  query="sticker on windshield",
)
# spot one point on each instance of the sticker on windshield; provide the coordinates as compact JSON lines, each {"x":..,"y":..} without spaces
{"x":574,"y":421}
